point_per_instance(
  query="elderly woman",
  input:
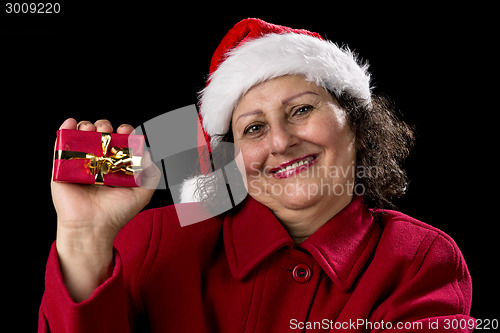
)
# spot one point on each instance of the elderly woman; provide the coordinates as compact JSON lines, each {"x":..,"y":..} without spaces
{"x":302,"y":252}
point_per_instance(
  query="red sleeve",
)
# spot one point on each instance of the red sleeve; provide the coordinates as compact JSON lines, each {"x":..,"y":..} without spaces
{"x":104,"y":311}
{"x":112,"y":307}
{"x":435,"y":295}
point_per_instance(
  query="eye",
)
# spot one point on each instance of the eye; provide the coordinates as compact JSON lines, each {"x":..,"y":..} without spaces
{"x":301,"y":111}
{"x":253,"y":129}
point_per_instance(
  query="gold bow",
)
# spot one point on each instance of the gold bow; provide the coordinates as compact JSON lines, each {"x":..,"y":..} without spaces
{"x":122,"y":159}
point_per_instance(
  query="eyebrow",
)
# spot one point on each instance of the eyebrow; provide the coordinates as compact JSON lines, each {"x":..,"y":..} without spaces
{"x":251,"y":113}
{"x":288,"y":99}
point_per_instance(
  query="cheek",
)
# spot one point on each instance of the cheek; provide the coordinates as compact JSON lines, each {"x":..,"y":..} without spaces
{"x":323,"y":130}
{"x":253,"y":158}
{"x":331,"y":131}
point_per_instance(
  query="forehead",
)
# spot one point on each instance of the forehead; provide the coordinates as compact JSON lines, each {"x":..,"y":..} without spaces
{"x":278,"y":91}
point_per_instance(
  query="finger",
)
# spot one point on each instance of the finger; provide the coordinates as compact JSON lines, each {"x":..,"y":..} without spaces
{"x":103,"y":125}
{"x":69,"y":123}
{"x":85,"y":125}
{"x":125,"y":129}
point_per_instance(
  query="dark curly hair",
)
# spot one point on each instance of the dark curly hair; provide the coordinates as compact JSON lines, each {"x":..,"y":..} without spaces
{"x":382,"y":142}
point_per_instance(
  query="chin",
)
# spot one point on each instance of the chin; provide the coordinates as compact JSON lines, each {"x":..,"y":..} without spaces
{"x":297,"y":203}
{"x":290,"y":196}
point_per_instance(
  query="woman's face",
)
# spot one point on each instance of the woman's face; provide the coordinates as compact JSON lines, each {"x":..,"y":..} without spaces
{"x":297,"y":147}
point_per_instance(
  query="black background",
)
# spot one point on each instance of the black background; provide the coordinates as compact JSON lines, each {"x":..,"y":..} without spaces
{"x":129,"y":62}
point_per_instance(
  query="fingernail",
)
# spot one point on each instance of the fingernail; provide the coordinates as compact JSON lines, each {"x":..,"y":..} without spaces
{"x":102,"y":123}
{"x":82,"y":123}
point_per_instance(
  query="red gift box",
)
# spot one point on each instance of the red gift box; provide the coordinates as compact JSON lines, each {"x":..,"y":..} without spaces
{"x":98,"y":158}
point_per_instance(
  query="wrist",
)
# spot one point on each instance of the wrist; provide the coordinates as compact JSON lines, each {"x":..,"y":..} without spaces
{"x":84,"y":239}
{"x":85,"y":247}
{"x":86,"y":261}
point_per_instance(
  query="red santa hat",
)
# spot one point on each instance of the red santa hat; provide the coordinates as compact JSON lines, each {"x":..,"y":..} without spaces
{"x":254,"y":51}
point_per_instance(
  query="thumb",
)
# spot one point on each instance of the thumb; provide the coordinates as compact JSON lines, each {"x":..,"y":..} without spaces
{"x":150,"y":174}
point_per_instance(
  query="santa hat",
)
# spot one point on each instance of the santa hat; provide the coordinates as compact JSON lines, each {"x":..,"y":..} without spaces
{"x":254,"y":51}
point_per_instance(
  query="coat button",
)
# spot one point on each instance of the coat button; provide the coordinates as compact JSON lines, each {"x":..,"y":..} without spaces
{"x":301,"y":273}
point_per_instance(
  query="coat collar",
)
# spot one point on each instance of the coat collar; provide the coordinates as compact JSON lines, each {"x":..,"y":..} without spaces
{"x":251,"y":235}
{"x":341,"y":247}
{"x":344,"y":244}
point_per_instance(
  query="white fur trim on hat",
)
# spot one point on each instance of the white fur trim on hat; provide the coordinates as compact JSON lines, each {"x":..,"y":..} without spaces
{"x":273,"y":55}
{"x":188,"y":190}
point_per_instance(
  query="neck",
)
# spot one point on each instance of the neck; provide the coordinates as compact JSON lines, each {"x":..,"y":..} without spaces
{"x":302,"y":223}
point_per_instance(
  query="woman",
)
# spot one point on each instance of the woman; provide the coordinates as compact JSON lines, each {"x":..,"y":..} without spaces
{"x":302,"y":252}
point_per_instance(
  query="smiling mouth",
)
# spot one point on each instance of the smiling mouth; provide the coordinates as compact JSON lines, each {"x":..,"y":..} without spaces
{"x":292,"y":167}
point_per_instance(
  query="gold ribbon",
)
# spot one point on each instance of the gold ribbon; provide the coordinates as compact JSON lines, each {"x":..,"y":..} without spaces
{"x":122,"y":159}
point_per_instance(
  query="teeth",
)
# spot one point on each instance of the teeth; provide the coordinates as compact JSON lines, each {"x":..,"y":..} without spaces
{"x":296,"y":164}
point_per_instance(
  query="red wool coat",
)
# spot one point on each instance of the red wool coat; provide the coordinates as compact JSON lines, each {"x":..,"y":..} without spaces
{"x":364,"y":270}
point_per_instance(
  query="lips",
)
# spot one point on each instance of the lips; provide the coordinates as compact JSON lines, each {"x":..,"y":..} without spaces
{"x":294,"y":166}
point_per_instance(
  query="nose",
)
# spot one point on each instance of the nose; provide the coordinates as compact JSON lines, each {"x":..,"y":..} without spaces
{"x":281,"y":138}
